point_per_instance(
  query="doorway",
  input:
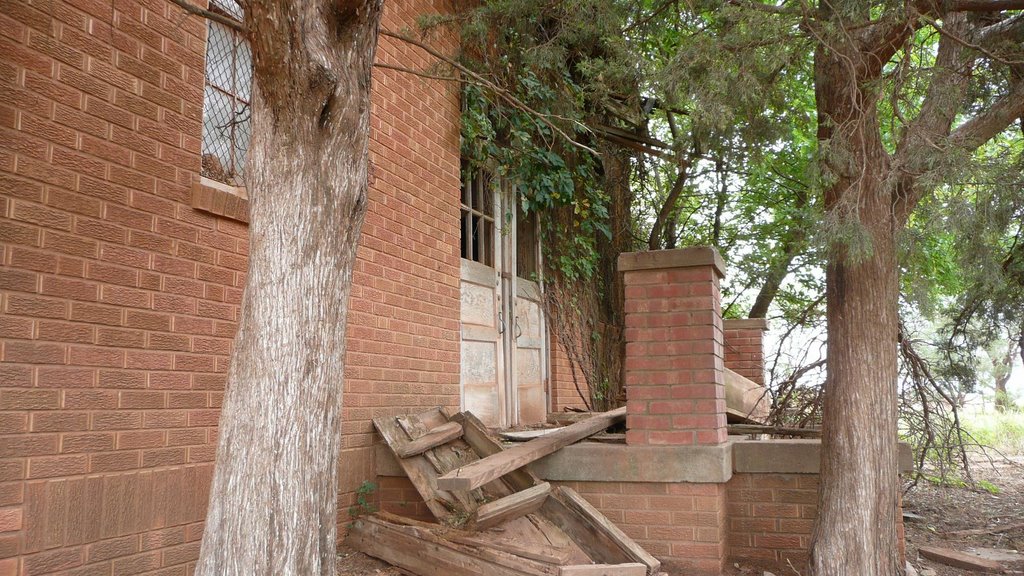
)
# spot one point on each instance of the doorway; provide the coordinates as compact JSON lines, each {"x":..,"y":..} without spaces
{"x":504,"y":334}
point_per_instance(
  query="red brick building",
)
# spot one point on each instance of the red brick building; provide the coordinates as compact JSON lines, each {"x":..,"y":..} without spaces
{"x":123,"y":271}
{"x":123,"y":244}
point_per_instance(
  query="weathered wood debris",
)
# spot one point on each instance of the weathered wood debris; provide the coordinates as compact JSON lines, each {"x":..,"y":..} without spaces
{"x":495,"y":516}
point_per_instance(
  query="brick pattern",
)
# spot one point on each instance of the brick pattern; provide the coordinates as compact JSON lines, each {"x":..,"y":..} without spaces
{"x":119,"y":299}
{"x":683,"y":525}
{"x":403,"y":322}
{"x":563,"y":388}
{"x":398,"y":496}
{"x":771,"y":517}
{"x":744,"y":352}
{"x":675,"y":392}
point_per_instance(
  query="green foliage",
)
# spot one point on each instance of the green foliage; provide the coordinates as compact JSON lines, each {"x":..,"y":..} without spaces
{"x":1002,"y":431}
{"x":364,"y":500}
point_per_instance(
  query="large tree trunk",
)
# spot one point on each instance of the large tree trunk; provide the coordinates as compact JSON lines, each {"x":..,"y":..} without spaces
{"x":273,"y":506}
{"x":855,"y":530}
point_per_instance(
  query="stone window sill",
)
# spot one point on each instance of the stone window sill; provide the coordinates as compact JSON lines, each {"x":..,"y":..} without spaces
{"x":220,"y":199}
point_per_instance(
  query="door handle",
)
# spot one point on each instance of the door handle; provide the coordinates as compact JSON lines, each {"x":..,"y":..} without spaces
{"x":501,"y":323}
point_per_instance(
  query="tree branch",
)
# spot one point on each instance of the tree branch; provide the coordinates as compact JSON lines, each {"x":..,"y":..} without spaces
{"x":494,"y":88}
{"x":210,"y":15}
{"x":942,"y":101}
{"x":986,"y":5}
{"x":985,"y":126}
{"x":1011,"y":28}
{"x":654,"y":240}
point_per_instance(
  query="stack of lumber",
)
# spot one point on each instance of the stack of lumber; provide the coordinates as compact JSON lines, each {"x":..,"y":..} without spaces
{"x":496,"y":517}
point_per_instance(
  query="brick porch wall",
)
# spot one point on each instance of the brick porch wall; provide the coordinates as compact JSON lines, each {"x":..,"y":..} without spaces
{"x":119,"y":299}
{"x":770,"y":518}
{"x":563,"y":389}
{"x":744,"y":347}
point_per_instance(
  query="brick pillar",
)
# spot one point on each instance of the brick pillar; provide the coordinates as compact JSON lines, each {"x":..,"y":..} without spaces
{"x":744,"y":347}
{"x":675,"y":391}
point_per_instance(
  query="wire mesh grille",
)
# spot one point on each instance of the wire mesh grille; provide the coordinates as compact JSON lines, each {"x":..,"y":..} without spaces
{"x":226,"y":111}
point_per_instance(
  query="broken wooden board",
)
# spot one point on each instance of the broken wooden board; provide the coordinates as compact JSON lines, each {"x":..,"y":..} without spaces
{"x":422,"y":549}
{"x":497,"y":465}
{"x":597,"y":535}
{"x":634,"y":569}
{"x":745,"y":399}
{"x":432,"y":439}
{"x":959,"y":559}
{"x":421,"y":472}
{"x":516,"y":503}
{"x":486,"y":444}
{"x":512,"y":506}
{"x":539,"y":552}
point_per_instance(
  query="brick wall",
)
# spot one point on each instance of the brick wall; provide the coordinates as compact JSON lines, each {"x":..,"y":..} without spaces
{"x":770,"y":518}
{"x":744,"y":347}
{"x":678,"y":523}
{"x":403,"y":345}
{"x":675,"y":388}
{"x":561,"y":384}
{"x":119,"y":299}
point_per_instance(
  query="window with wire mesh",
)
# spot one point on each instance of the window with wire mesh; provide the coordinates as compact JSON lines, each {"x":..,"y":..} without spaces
{"x":226,"y":111}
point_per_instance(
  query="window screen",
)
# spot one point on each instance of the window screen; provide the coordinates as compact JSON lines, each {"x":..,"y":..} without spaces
{"x":228,"y":89}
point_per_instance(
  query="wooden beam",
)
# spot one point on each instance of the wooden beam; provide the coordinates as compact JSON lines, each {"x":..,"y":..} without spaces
{"x":538,"y":552}
{"x":512,"y":506}
{"x":632,"y":569}
{"x":493,"y":467}
{"x":959,"y":559}
{"x":486,"y":444}
{"x":432,"y":439}
{"x":414,"y":547}
{"x":420,"y":472}
{"x":596,"y":525}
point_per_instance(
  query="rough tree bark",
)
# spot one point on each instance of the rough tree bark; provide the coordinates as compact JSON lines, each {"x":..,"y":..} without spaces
{"x":273,"y":505}
{"x":869,"y":194}
{"x":856,"y":531}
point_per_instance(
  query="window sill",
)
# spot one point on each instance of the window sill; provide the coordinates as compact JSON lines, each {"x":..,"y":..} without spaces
{"x":220,"y":199}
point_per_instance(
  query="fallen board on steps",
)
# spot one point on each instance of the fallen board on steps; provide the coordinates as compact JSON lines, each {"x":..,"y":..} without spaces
{"x":482,"y":471}
{"x":513,"y":515}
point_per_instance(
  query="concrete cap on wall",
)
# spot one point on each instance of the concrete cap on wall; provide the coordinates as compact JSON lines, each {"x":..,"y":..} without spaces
{"x":745,"y":323}
{"x":677,"y":258}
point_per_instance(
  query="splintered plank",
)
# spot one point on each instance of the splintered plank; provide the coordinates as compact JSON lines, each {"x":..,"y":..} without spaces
{"x":432,"y":439}
{"x":495,"y":466}
{"x":512,"y":506}
{"x":486,"y":444}
{"x":538,"y":552}
{"x":443,"y":458}
{"x":598,"y":537}
{"x":416,"y":547}
{"x":420,"y":472}
{"x":959,"y":559}
{"x":631,"y":569}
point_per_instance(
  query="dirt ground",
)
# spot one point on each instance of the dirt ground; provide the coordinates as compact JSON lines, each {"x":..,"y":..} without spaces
{"x":942,"y":510}
{"x":947,"y":510}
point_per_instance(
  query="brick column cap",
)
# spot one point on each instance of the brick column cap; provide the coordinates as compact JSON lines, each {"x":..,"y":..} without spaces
{"x":678,"y":258}
{"x":745,"y":323}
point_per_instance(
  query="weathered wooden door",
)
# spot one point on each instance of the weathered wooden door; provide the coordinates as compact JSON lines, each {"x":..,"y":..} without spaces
{"x":504,"y":370}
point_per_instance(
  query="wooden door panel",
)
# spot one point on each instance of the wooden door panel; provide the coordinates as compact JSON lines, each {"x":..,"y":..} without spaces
{"x":529,"y":354}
